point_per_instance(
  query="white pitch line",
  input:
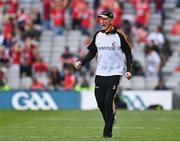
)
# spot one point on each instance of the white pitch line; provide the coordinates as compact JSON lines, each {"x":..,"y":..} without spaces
{"x":53,"y":137}
{"x":67,"y":119}
{"x":99,"y":119}
{"x":93,"y":127}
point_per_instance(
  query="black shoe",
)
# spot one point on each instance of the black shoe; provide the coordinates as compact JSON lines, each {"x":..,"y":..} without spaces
{"x":107,"y":136}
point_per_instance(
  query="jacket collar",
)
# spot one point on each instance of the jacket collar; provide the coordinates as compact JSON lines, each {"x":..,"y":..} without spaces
{"x":111,"y":30}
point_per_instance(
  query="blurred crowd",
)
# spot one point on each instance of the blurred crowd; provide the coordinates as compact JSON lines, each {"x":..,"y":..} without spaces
{"x":20,"y":32}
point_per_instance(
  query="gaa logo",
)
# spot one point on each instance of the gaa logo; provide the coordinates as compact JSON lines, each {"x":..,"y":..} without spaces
{"x":33,"y":101}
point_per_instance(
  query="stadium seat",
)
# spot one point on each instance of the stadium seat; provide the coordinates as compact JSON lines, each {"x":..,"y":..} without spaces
{"x":125,"y":84}
{"x":25,"y":82}
{"x":138,"y":82}
{"x":151,"y":82}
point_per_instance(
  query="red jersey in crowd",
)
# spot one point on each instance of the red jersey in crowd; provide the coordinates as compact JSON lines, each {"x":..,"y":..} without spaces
{"x":28,"y":51}
{"x":46,"y":9}
{"x":16,"y":54}
{"x":69,"y":81}
{"x":8,"y":28}
{"x":36,"y":85}
{"x":117,"y":18}
{"x":76,"y":8}
{"x":176,"y":28}
{"x":12,"y":6}
{"x":1,"y":4}
{"x":40,"y":67}
{"x":178,"y":68}
{"x":86,"y":17}
{"x":141,"y":13}
{"x":57,"y":16}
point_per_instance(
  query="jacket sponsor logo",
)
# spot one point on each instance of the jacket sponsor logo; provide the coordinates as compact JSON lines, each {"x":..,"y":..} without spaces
{"x":33,"y":101}
{"x":106,"y":48}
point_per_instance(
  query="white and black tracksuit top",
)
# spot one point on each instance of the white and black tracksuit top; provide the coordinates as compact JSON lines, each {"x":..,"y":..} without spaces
{"x":114,"y":53}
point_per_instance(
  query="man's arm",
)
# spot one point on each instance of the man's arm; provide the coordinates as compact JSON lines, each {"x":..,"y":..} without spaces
{"x":126,"y":48}
{"x":89,"y":56}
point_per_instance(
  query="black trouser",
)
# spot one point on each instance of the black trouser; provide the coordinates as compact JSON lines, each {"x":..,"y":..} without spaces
{"x":105,"y":90}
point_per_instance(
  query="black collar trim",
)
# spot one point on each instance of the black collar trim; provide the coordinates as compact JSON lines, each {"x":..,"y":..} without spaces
{"x":110,"y":32}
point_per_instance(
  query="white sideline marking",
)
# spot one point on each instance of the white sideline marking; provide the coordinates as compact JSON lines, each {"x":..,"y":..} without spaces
{"x":67,"y":119}
{"x":53,"y":137}
{"x":99,"y":119}
{"x":47,"y":128}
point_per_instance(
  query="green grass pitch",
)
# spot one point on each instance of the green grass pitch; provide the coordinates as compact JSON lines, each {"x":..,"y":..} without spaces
{"x":76,"y":125}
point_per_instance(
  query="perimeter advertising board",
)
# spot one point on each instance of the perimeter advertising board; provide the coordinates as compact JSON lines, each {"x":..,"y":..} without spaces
{"x":39,"y":100}
{"x":135,"y":99}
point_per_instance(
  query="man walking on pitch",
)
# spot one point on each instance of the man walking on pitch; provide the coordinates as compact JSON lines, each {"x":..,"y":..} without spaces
{"x":114,"y":60}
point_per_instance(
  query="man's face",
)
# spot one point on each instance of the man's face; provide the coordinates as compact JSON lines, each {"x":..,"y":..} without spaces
{"x":105,"y":22}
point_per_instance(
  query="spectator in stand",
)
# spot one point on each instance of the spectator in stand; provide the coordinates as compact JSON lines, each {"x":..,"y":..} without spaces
{"x":15,"y":54}
{"x":140,"y":34}
{"x":178,"y":3}
{"x":159,"y":5}
{"x":153,"y":62}
{"x":96,"y":4}
{"x":8,"y":32}
{"x":137,"y":69}
{"x":36,"y":54}
{"x":45,"y":14}
{"x":67,"y":57}
{"x":22,"y":18}
{"x":8,"y":26}
{"x":157,"y":37}
{"x":56,"y":78}
{"x":133,"y":2}
{"x":25,"y":68}
{"x":117,"y":13}
{"x":39,"y":67}
{"x":161,"y":85}
{"x":69,"y":79}
{"x":28,"y":49}
{"x":178,"y":68}
{"x":4,"y":57}
{"x":175,"y":31}
{"x":12,"y":7}
{"x":1,"y":5}
{"x":36,"y":85}
{"x":50,"y":85}
{"x":36,"y":20}
{"x":86,"y":19}
{"x":9,"y":40}
{"x":142,"y":13}
{"x":57,"y":18}
{"x":3,"y":85}
{"x":167,"y":50}
{"x":126,"y":27}
{"x":30,"y":31}
{"x":1,"y":12}
{"x":36,"y":16}
{"x":76,"y":6}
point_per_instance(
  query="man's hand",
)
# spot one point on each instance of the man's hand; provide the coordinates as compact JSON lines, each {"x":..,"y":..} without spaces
{"x":77,"y":65}
{"x":128,"y":75}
